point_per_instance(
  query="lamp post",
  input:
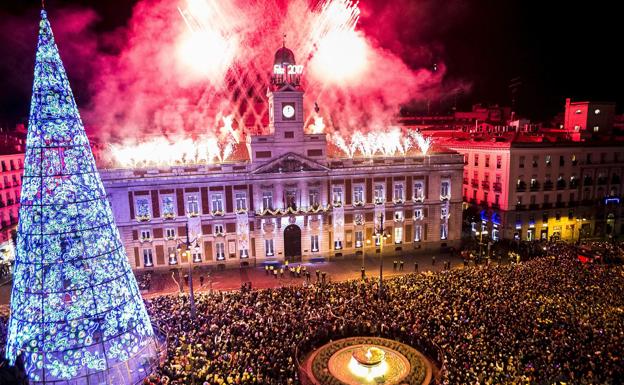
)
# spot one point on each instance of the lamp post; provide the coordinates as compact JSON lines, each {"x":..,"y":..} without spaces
{"x":381,"y":235}
{"x":580,"y":223}
{"x":189,"y":255}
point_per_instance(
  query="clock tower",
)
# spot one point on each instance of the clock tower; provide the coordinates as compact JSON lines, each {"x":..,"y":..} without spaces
{"x":286,"y":119}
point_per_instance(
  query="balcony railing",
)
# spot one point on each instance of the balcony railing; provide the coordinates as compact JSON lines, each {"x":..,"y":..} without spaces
{"x":547,"y":205}
{"x":602,"y":181}
{"x":521,"y":187}
{"x":485,"y":184}
{"x":587,"y":181}
{"x":474,"y":183}
{"x":535,"y":186}
{"x":561,"y":185}
{"x":465,"y":180}
{"x":548,"y":185}
{"x":560,"y":205}
{"x":483,"y":204}
{"x":574,"y":183}
{"x":533,"y":206}
{"x":520,"y":206}
{"x":498,"y":187}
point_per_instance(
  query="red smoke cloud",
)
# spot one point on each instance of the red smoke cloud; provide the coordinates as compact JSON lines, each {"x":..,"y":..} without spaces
{"x":142,"y":86}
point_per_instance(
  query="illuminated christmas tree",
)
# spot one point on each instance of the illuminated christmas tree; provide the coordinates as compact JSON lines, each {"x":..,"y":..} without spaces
{"x":76,"y":313}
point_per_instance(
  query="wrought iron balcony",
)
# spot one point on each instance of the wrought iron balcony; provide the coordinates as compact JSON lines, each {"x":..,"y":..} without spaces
{"x":548,"y":185}
{"x":497,"y":187}
{"x":485,"y":184}
{"x":474,"y":183}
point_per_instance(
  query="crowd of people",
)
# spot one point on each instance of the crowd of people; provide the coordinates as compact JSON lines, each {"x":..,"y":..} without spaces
{"x":549,"y":320}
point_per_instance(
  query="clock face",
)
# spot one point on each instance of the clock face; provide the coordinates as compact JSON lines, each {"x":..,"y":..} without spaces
{"x":288,"y":111}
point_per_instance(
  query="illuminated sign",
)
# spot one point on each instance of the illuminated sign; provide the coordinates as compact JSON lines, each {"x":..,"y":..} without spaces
{"x":291,"y":69}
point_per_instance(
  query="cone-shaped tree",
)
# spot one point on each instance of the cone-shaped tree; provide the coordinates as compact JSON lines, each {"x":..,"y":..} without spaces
{"x":76,"y":313}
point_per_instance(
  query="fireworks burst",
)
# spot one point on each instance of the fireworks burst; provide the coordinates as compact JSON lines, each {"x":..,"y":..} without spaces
{"x":159,"y":151}
{"x":383,"y":143}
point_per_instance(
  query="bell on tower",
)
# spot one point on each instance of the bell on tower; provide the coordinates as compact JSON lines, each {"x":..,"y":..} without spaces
{"x":285,"y":69}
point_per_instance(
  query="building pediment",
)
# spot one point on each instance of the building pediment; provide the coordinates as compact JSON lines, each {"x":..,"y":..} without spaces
{"x":289,"y":162}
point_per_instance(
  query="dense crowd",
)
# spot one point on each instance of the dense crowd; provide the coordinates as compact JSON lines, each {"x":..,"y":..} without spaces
{"x":545,"y":321}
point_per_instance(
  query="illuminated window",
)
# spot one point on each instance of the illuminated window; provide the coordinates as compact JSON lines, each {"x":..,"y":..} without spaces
{"x":596,"y":128}
{"x":398,"y":192}
{"x":218,"y":229}
{"x":418,"y":213}
{"x":170,"y":233}
{"x":419,"y":191}
{"x":597,"y":111}
{"x":398,"y":235}
{"x":417,"y":233}
{"x":220,"y":248}
{"x":443,"y":230}
{"x":313,"y":197}
{"x":267,"y":200}
{"x":358,"y":194}
{"x":359,"y":238}
{"x":338,"y":245}
{"x":146,"y":234}
{"x":398,"y":215}
{"x":379,"y":193}
{"x":217,"y":203}
{"x":142,"y":206}
{"x":241,"y":201}
{"x":147,"y":258}
{"x":314,"y":243}
{"x":268,"y":246}
{"x":173,"y":256}
{"x":337,"y":195}
{"x":192,"y":205}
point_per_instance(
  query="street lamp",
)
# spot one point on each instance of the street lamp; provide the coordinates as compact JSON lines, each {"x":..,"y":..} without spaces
{"x":189,"y":256}
{"x":381,"y":236}
{"x":580,"y":223}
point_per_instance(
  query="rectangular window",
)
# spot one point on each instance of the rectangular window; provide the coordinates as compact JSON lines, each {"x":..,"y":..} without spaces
{"x":418,"y":213}
{"x":487,"y":161}
{"x":196,"y":256}
{"x":535,"y":161}
{"x":170,"y":233}
{"x":358,"y":194}
{"x":168,"y":208}
{"x":521,"y":162}
{"x":268,"y":246}
{"x":267,"y":200}
{"x":548,"y":161}
{"x":217,"y":203}
{"x":142,"y":207}
{"x":147,"y":258}
{"x":218,"y":229}
{"x":398,"y":216}
{"x":359,"y":239}
{"x":417,"y":233}
{"x":313,"y":197}
{"x":338,"y":245}
{"x":146,"y":235}
{"x":443,"y":230}
{"x":192,"y":205}
{"x":419,"y":191}
{"x":499,"y":161}
{"x":173,"y":255}
{"x":445,"y":190}
{"x":337,"y":196}
{"x":398,"y":235}
{"x":476,"y":159}
{"x":398,"y":192}
{"x":220,"y":249}
{"x":314,"y":243}
{"x":379,"y":193}
{"x":244,"y":253}
{"x":241,"y":201}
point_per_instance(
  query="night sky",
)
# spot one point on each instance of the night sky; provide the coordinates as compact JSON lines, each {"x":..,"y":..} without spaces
{"x":560,"y":50}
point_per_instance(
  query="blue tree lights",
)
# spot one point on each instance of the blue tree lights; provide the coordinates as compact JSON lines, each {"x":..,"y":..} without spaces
{"x":76,"y":313}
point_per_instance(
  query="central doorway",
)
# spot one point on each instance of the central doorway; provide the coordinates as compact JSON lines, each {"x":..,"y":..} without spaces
{"x":292,"y":243}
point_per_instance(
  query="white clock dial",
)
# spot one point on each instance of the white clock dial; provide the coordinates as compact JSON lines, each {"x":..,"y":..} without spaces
{"x":288,"y":111}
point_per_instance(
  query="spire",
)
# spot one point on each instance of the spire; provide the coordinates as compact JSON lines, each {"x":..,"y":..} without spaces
{"x":76,"y":312}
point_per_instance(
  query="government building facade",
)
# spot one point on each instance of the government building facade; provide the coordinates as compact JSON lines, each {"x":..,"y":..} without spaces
{"x":290,"y":197}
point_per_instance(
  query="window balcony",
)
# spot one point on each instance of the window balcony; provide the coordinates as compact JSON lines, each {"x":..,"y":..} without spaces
{"x":168,"y":216}
{"x":466,"y":181}
{"x":485,"y":184}
{"x":497,"y":187}
{"x":144,"y":218}
{"x":602,"y":181}
{"x":548,"y":185}
{"x":587,"y":181}
{"x":520,"y":206}
{"x":473,"y":201}
{"x":484,"y":204}
{"x":560,"y":205}
{"x":535,"y":186}
{"x":561,"y":185}
{"x":547,"y":205}
{"x":574,"y":183}
{"x":496,"y":206}
{"x":474,"y":183}
{"x":574,"y":162}
{"x":533,"y":206}
{"x":521,"y":187}
{"x":10,"y":202}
